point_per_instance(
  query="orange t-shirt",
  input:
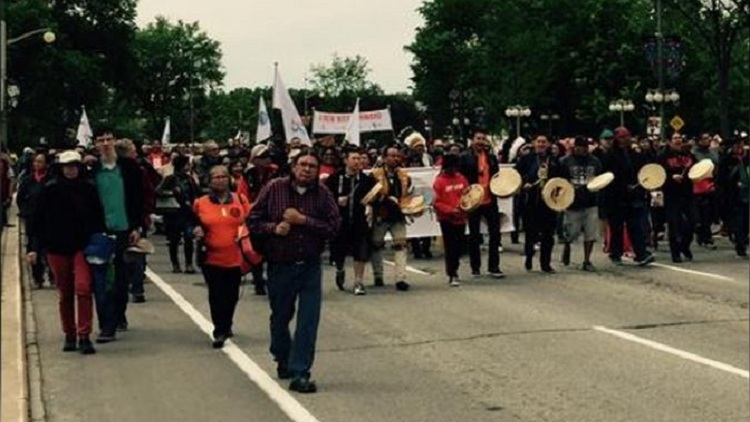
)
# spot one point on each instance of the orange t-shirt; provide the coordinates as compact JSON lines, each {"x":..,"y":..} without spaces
{"x":221,"y":223}
{"x":484,"y":177}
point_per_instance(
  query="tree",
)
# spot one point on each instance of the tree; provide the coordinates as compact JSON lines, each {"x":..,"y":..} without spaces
{"x":345,"y":76}
{"x":90,"y":58}
{"x":178,"y":65}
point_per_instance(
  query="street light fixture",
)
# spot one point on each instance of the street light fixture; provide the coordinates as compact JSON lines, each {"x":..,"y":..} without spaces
{"x":621,"y":106}
{"x":518,"y":112}
{"x":549,"y":118}
{"x":658,"y":98}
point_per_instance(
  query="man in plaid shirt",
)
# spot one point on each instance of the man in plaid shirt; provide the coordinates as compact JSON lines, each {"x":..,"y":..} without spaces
{"x":298,"y":215}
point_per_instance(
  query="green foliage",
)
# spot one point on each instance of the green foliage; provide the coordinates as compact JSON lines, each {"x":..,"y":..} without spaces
{"x":178,"y":65}
{"x":345,"y":76}
{"x":572,"y":57}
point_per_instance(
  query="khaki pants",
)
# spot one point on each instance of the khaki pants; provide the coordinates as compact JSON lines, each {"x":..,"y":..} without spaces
{"x":397,"y":230}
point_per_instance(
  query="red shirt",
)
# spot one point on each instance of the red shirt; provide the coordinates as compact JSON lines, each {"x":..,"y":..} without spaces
{"x":221,"y":223}
{"x":448,"y":190}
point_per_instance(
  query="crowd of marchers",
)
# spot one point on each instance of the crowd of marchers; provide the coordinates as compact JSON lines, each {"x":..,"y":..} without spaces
{"x":89,"y":211}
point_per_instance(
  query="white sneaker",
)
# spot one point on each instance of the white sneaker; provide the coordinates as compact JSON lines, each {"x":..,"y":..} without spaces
{"x":454,"y":282}
{"x":359,"y":290}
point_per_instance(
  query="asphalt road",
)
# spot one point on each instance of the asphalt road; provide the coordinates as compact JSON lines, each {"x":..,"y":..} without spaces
{"x":531,"y":347}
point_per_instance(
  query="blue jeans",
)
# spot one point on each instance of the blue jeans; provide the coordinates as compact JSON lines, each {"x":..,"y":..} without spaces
{"x":291,"y":284}
{"x":112,"y":297}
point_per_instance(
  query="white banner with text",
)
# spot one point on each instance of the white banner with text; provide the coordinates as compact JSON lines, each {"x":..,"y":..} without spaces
{"x":336,"y":123}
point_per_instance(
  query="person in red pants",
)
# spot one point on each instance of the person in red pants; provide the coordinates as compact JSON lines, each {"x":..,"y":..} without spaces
{"x":69,"y":213}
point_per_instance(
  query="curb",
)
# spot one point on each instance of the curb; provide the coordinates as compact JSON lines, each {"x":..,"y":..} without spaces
{"x":35,"y":398}
{"x":15,"y":400}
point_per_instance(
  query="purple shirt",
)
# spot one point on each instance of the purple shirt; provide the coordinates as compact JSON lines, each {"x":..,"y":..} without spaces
{"x":304,"y":242}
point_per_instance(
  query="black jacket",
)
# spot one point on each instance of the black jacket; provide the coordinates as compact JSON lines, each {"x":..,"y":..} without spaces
{"x":68,"y":213}
{"x":469,"y":165}
{"x":625,"y":189}
{"x":29,"y":190}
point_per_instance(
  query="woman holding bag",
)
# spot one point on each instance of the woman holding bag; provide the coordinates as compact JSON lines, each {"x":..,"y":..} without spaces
{"x":64,"y":236}
{"x":220,"y":216}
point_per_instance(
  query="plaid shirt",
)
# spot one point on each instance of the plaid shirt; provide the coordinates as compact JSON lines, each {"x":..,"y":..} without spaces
{"x":305,"y":242}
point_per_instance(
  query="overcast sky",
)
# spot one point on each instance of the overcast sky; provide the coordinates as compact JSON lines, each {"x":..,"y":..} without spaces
{"x":298,"y":33}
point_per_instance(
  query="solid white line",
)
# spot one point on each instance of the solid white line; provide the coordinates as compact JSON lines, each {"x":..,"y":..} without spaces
{"x":693,"y":272}
{"x":677,"y":352}
{"x":286,"y":402}
{"x":408,"y":268}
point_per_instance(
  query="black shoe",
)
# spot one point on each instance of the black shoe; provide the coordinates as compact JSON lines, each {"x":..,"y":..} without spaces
{"x":566,"y":255}
{"x":219,"y":341}
{"x":549,"y":270}
{"x":646,"y":260}
{"x":303,"y":385}
{"x":495,"y":272}
{"x":105,"y":338}
{"x":418,"y":256}
{"x":260,"y":288}
{"x":86,"y":347}
{"x":528,"y":264}
{"x":123,"y":326}
{"x":340,"y":280}
{"x":741,"y":252}
{"x":70,"y":344}
{"x":283,"y":372}
{"x":176,"y":269}
{"x":379,"y":282}
{"x":139,"y":299}
{"x":230,"y":334}
{"x":402,"y":286}
{"x":676,"y":259}
{"x":189,"y":269}
{"x":476,"y":274}
{"x":428,"y":255}
{"x":616,"y":260}
{"x":688,"y":255}
{"x":588,"y":267}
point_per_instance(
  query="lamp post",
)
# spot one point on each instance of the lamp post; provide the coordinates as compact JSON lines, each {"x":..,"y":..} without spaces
{"x":549,"y":118}
{"x":621,"y":106}
{"x":48,"y":37}
{"x":659,"y":97}
{"x":518,"y":112}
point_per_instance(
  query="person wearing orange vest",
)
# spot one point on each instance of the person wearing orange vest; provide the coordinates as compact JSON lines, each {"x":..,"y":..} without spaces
{"x":220,"y":214}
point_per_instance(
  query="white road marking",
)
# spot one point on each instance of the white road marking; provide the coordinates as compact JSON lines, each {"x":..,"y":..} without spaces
{"x":693,"y":272}
{"x":677,"y":352}
{"x":286,"y":402}
{"x":408,"y":268}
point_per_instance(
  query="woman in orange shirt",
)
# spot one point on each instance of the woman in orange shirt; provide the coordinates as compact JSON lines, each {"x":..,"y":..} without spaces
{"x":219,"y":215}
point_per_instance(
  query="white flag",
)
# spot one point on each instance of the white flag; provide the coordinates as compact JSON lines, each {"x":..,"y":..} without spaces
{"x":293,"y":127}
{"x":84,"y":133}
{"x":264,"y":122}
{"x":352,"y":129}
{"x":166,"y":137}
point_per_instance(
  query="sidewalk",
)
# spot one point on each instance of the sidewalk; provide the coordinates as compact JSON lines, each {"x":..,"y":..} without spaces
{"x":15,"y":399}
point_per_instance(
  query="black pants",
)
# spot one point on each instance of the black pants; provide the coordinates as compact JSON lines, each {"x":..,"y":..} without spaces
{"x":635,"y":216}
{"x":704,"y":206}
{"x":679,"y":224}
{"x":740,"y":226}
{"x":420,"y":246}
{"x":491,"y":215}
{"x":546,"y":239}
{"x":178,"y":230}
{"x":223,"y":295}
{"x":454,"y":239}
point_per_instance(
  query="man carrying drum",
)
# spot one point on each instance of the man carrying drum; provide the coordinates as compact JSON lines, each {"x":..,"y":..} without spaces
{"x":624,"y":200}
{"x":539,"y":220}
{"x":583,"y":215}
{"x":388,"y":217}
{"x":678,"y":198}
{"x":478,"y":165}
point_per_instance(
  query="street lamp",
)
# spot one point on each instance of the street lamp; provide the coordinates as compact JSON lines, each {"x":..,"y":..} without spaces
{"x":621,"y":106}
{"x":660,"y":97}
{"x":48,"y":37}
{"x":549,"y":118}
{"x":518,"y":112}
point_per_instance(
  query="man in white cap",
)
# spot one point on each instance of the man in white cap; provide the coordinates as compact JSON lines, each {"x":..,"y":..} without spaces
{"x":417,"y":156}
